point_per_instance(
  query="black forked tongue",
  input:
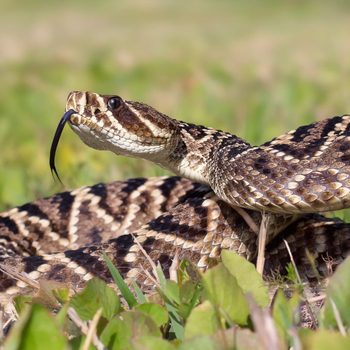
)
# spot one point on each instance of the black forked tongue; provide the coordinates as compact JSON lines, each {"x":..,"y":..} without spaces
{"x":55,"y":141}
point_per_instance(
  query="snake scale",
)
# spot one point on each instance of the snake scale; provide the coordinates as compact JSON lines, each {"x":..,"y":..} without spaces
{"x":193,"y":215}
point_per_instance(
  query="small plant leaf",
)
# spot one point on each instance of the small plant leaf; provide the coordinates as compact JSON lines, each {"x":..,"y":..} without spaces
{"x":239,"y":339}
{"x":61,"y":294}
{"x":36,"y":329}
{"x":224,"y":293}
{"x":203,"y":320}
{"x":170,"y":292}
{"x":61,"y":315}
{"x":176,"y":321}
{"x":283,"y":314}
{"x":150,"y":342}
{"x":338,"y":298}
{"x":96,"y":295}
{"x":13,"y":341}
{"x":247,"y":277}
{"x":189,"y":296}
{"x":200,"y":343}
{"x":125,"y":330}
{"x":156,"y":312}
{"x":22,"y":302}
{"x":324,"y":340}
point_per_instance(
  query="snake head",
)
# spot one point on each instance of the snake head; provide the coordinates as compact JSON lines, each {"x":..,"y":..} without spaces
{"x":107,"y":122}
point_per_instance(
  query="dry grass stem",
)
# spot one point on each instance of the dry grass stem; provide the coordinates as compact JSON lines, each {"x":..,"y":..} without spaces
{"x":1,"y":325}
{"x":338,"y":318}
{"x":248,"y":219}
{"x":296,"y":339}
{"x":84,"y":328}
{"x":293,"y":262}
{"x":317,"y":298}
{"x":92,"y":330}
{"x":11,"y":272}
{"x":260,"y":262}
{"x":151,"y":262}
{"x":173,"y":268}
{"x":19,"y":276}
{"x":307,"y":303}
{"x":152,"y":278}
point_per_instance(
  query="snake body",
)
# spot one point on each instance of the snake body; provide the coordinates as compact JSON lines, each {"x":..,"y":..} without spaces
{"x":193,"y":215}
{"x":306,"y":170}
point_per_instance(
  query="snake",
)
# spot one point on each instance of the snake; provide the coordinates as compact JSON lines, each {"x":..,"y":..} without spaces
{"x":222,"y":189}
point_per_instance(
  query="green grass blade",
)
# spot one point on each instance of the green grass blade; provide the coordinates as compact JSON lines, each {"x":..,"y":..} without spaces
{"x":118,"y":279}
{"x":176,"y":323}
{"x":161,"y":277}
{"x":140,"y":296}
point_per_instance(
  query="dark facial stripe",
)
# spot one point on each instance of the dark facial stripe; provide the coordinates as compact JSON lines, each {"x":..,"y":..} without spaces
{"x":159,"y":119}
{"x":131,"y":122}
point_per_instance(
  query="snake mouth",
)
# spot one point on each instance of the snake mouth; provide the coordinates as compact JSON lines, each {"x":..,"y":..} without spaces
{"x":78,"y":123}
{"x":66,"y":117}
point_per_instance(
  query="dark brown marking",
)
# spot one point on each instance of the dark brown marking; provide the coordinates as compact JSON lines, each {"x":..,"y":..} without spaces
{"x":330,"y":125}
{"x":33,"y":262}
{"x":9,"y":224}
{"x":33,"y":210}
{"x":157,"y":118}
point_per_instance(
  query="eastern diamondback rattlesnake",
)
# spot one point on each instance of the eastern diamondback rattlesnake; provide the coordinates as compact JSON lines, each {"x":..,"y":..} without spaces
{"x":289,"y":178}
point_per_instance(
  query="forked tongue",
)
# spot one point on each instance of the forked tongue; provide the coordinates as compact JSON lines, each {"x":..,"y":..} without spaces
{"x":55,"y":141}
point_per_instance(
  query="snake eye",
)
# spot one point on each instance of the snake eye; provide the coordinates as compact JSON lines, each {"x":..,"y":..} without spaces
{"x":114,"y":103}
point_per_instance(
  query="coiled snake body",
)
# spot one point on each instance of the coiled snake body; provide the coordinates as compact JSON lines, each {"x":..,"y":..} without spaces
{"x":194,"y":215}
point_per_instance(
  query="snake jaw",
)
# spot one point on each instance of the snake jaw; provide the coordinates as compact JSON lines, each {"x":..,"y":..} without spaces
{"x":90,"y":133}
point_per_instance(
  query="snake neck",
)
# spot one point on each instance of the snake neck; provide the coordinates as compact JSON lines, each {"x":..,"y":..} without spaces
{"x":198,"y":150}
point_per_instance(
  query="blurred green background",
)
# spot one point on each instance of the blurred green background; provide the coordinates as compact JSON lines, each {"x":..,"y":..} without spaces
{"x":255,"y":68}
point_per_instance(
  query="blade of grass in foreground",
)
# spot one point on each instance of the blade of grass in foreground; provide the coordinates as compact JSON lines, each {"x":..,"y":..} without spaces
{"x":161,"y":277}
{"x":118,"y":279}
{"x":140,"y":296}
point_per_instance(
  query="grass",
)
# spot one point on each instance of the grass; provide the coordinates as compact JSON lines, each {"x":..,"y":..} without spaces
{"x":227,"y":307}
